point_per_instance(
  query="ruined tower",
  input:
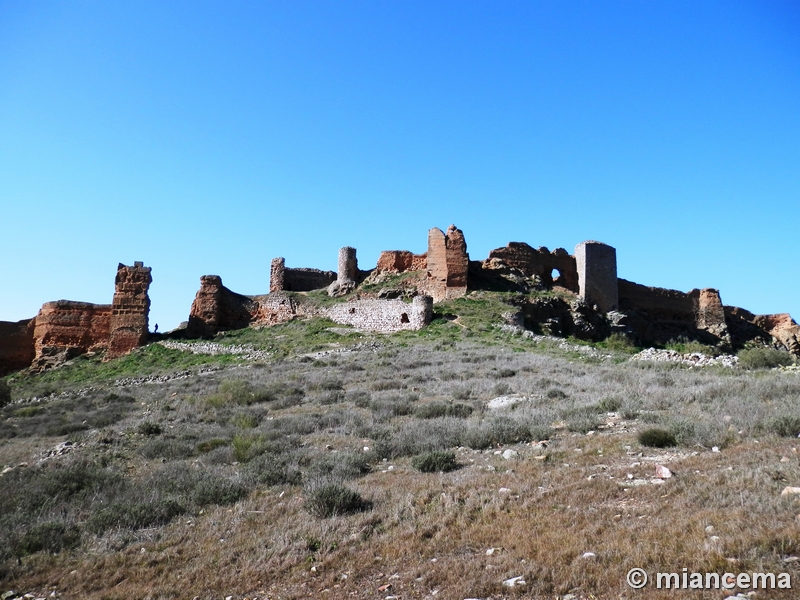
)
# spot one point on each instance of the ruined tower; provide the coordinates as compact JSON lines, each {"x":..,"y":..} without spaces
{"x":597,"y":274}
{"x":129,"y":309}
{"x":448,"y":263}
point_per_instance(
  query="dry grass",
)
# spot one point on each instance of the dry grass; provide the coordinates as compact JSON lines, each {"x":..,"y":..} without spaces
{"x":246,"y":448}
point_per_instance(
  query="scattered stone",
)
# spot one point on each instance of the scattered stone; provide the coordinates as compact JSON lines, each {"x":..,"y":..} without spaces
{"x":510,"y":454}
{"x":790,"y":491}
{"x":514,"y":581}
{"x":694,"y":359}
{"x":588,"y":555}
{"x":663,"y":472}
{"x":505,"y":402}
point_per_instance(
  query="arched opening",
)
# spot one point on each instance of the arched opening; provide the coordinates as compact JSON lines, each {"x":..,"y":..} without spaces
{"x":555,"y":276}
{"x":404,"y":318}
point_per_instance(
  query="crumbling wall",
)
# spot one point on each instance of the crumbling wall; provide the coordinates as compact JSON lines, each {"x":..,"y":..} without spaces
{"x":65,"y":329}
{"x":347,"y":275}
{"x":659,"y":315}
{"x":597,"y":275}
{"x":216,"y":308}
{"x":746,"y":327}
{"x":384,"y":316}
{"x":283,"y":278}
{"x":401,"y":261}
{"x":130,"y":310}
{"x":448,"y":264}
{"x":540,"y":263}
{"x":277,"y":278}
{"x":17,"y":349}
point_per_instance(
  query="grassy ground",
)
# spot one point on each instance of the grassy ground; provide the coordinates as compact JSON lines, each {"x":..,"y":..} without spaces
{"x":314,"y":472}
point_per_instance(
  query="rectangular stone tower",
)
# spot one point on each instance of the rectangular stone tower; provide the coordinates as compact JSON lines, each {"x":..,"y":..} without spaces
{"x":597,"y":274}
{"x":130,"y":309}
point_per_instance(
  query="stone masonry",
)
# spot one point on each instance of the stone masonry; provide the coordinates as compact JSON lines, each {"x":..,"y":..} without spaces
{"x":130,"y":310}
{"x":283,"y":278}
{"x":401,"y":261}
{"x":597,"y":275}
{"x":385,"y":316}
{"x":16,"y":345}
{"x":541,"y":263}
{"x":347,"y":274}
{"x":448,"y":264}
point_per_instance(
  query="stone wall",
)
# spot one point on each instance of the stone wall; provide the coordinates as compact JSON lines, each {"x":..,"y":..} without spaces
{"x":383,"y":315}
{"x":597,"y":275}
{"x":216,"y":308}
{"x":540,"y":263}
{"x":65,"y":329}
{"x":745,"y":326}
{"x":17,"y":349}
{"x":448,"y":264}
{"x":659,"y":315}
{"x":401,"y":261}
{"x":283,"y":278}
{"x":130,"y":310}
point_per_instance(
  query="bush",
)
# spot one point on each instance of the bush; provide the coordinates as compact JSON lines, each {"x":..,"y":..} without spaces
{"x":270,"y":470}
{"x":5,"y":393}
{"x":763,"y":358}
{"x":209,"y":445}
{"x":247,"y":447}
{"x":610,"y":404}
{"x":555,"y":394}
{"x":784,"y":425}
{"x":134,"y":515}
{"x":332,"y":499}
{"x":169,"y":449}
{"x":149,"y":428}
{"x":655,"y":437}
{"x":619,"y":342}
{"x":51,"y":536}
{"x":434,"y":410}
{"x":435,"y":462}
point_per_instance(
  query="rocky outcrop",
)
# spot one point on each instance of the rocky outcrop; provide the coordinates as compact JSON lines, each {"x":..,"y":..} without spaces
{"x":17,"y":349}
{"x":130,"y":310}
{"x":401,"y":261}
{"x":779,"y":329}
{"x":448,"y":264}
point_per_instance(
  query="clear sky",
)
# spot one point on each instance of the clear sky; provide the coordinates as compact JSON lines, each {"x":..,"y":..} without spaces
{"x":209,"y":137}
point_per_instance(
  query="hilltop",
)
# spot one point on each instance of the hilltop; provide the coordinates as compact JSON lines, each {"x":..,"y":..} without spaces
{"x":311,"y":458}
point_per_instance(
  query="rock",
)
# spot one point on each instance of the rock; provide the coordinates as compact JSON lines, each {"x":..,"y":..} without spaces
{"x":510,"y":454}
{"x":663,"y":472}
{"x":588,"y":555}
{"x":517,"y":581}
{"x":790,"y":491}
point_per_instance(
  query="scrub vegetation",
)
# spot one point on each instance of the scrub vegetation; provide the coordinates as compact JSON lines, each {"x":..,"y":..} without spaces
{"x":347,"y":462}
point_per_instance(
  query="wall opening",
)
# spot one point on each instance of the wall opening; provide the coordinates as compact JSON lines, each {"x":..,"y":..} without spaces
{"x":555,"y":276}
{"x":404,"y":318}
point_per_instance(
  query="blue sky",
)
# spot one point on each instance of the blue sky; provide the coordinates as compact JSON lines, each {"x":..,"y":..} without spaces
{"x":209,"y":137}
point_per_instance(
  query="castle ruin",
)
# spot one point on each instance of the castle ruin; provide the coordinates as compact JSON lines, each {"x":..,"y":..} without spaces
{"x":592,"y":302}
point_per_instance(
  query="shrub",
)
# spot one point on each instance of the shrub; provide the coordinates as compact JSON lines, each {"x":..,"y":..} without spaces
{"x":582,"y":419}
{"x":435,"y":462}
{"x":331,"y":499}
{"x":50,"y":536}
{"x":270,"y":470}
{"x":434,"y":410}
{"x":555,"y":394}
{"x":503,"y":373}
{"x":610,"y":404}
{"x":245,"y":421}
{"x":5,"y":393}
{"x":149,"y":428}
{"x":655,"y":437}
{"x":784,"y":425}
{"x":763,"y":358}
{"x":247,"y":447}
{"x":209,"y":445}
{"x":619,"y":342}
{"x":169,"y":449}
{"x":134,"y":515}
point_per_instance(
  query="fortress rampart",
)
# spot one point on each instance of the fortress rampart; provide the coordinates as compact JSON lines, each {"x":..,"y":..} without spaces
{"x":594,"y":301}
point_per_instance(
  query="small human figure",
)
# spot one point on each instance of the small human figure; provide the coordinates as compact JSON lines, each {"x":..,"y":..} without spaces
{"x":156,"y":329}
